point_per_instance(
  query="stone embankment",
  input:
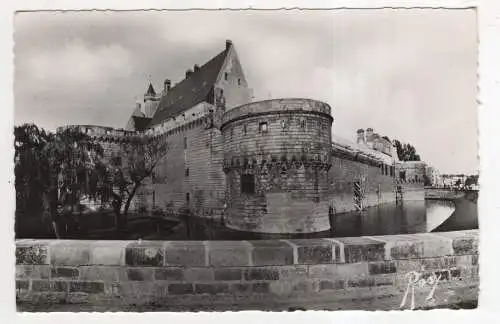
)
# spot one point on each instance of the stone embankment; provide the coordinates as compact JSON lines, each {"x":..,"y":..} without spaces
{"x":341,"y":273}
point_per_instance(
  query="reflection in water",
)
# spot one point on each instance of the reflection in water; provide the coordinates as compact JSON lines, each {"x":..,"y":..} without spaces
{"x":409,"y":217}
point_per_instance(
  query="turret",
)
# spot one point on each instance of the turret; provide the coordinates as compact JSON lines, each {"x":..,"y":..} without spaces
{"x":150,"y":102}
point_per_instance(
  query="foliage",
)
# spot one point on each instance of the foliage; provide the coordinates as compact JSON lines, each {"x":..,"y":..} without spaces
{"x":54,"y":171}
{"x":127,"y":172}
{"x":471,"y":180}
{"x":406,"y":151}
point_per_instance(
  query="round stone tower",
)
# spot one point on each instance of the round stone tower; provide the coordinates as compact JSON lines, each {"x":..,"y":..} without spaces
{"x":276,"y":159}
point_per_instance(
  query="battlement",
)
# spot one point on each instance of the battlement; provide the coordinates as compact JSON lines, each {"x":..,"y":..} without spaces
{"x":274,"y":106}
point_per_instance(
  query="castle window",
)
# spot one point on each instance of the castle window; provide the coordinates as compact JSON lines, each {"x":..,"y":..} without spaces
{"x":239,"y":81}
{"x":187,"y":197}
{"x":225,"y":75}
{"x":186,"y":172}
{"x":244,"y":129}
{"x":283,"y":124}
{"x":263,"y":127}
{"x":185,"y":143}
{"x":303,"y":124}
{"x":247,"y":184}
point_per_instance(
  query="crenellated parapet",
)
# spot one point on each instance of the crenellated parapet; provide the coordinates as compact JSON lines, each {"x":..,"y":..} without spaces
{"x":285,"y":162}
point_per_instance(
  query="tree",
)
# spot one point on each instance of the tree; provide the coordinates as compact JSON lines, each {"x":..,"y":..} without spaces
{"x":55,"y":170}
{"x":127,"y":172}
{"x":406,"y":151}
{"x":471,"y":180}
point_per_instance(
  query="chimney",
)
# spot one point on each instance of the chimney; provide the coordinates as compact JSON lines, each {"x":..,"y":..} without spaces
{"x":369,"y":135}
{"x":188,"y":73}
{"x":166,"y":85}
{"x":360,"y":136}
{"x":229,"y":43}
{"x":196,"y":68}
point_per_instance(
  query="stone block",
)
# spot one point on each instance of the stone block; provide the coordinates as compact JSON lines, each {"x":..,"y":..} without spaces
{"x":361,"y":282}
{"x":98,"y":273}
{"x":281,"y":288}
{"x":240,"y":288}
{"x":294,"y":272}
{"x":229,"y":274}
{"x":260,"y":287}
{"x":32,"y":271}
{"x":256,"y":274}
{"x":86,"y":286}
{"x":314,"y":251}
{"x":185,"y":254}
{"x":65,"y":272}
{"x":352,"y":270}
{"x":305,"y":287}
{"x":198,"y":275}
{"x":169,"y":274}
{"x":70,"y":253}
{"x":229,"y":253}
{"x":180,"y":289}
{"x":139,"y":274}
{"x":211,"y":289}
{"x":31,"y":253}
{"x":52,"y":286}
{"x":331,"y":285}
{"x":144,"y":254}
{"x":361,"y":249}
{"x":22,"y":284}
{"x":383,"y":267}
{"x":384,"y":280}
{"x":322,"y":271}
{"x":464,"y":242}
{"x":108,"y":252}
{"x":141,"y":290}
{"x":271,"y":253}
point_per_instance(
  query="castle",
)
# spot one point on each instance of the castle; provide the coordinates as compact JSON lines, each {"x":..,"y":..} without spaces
{"x":269,"y":166}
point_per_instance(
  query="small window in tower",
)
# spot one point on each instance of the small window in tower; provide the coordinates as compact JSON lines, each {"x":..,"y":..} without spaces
{"x":283,"y":124}
{"x":226,"y":75}
{"x":187,"y":197}
{"x":185,"y":143}
{"x":244,"y":129}
{"x":303,"y":124}
{"x":186,"y":172}
{"x":247,"y":184}
{"x":239,"y":81}
{"x":263,"y":127}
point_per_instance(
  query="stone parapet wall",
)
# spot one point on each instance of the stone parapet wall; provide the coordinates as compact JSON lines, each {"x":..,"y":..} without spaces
{"x":226,"y":273}
{"x":273,"y":106}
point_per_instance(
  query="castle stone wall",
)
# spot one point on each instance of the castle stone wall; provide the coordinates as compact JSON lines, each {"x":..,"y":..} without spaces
{"x":287,"y":159}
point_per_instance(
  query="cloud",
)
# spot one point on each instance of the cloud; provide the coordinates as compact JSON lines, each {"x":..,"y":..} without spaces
{"x":403,"y":72}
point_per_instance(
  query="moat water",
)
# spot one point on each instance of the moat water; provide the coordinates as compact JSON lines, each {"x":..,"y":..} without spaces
{"x":389,"y":219}
{"x":410,"y":217}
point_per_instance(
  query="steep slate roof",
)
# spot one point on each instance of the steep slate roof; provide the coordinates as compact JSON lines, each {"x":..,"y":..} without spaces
{"x":151,"y":91}
{"x":140,"y":123}
{"x":190,"y":91}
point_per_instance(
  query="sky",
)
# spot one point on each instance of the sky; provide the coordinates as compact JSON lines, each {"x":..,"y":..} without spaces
{"x":410,"y":73}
